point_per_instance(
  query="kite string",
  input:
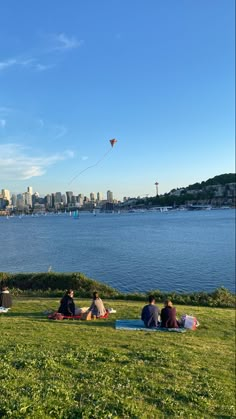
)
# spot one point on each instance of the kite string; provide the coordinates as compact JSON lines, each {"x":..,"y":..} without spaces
{"x":89,"y":167}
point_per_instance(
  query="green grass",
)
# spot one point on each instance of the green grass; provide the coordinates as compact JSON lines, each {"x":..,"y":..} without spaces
{"x":74,"y":369}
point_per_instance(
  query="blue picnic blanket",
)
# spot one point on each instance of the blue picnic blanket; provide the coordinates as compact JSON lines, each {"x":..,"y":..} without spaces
{"x":137,"y":324}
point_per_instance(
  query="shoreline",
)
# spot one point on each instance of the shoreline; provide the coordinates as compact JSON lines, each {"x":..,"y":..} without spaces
{"x":52,"y":284}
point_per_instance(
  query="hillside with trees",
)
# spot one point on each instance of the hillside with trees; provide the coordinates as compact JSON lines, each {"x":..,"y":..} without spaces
{"x":216,"y":180}
{"x":216,"y":191}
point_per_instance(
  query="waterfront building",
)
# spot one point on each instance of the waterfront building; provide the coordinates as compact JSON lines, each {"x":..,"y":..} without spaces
{"x":27,"y":199}
{"x":53,"y":199}
{"x":63,"y":199}
{"x":19,"y":201}
{"x":3,"y":203}
{"x":6,"y":195}
{"x":92,"y":196}
{"x":13,"y":200}
{"x":57,"y":199}
{"x":39,"y":208}
{"x":48,"y":201}
{"x":74,"y":199}
{"x":99,"y":196}
{"x":69,"y":195}
{"x":109,"y":196}
{"x":37,"y":200}
{"x":80,"y":199}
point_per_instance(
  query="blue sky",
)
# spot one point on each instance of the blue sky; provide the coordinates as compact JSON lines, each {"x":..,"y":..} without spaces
{"x":156,"y":75}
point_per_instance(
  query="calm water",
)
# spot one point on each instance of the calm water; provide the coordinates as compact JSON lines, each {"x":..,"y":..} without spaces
{"x":181,"y":251}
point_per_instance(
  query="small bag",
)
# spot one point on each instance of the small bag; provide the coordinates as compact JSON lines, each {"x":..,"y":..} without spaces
{"x":189,"y":322}
{"x":86,"y":316}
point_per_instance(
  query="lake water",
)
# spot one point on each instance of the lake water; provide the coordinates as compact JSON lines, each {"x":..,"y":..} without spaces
{"x":177,"y":250}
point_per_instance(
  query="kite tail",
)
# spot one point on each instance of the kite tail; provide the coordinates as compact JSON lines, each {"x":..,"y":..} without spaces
{"x":89,"y":167}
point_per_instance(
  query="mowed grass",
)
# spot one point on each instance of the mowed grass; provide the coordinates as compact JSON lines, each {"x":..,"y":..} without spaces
{"x":75,"y":369}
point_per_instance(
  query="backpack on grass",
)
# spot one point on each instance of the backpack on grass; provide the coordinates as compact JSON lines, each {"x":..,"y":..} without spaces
{"x":189,"y":322}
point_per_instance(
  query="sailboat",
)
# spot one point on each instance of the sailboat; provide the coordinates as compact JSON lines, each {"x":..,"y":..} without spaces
{"x":76,"y":215}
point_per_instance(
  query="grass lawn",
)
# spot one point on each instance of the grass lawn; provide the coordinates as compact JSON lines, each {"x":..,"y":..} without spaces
{"x":74,"y":369}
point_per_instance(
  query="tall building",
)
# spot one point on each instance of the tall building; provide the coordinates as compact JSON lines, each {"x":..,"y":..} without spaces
{"x":19,"y":201}
{"x":74,"y":199}
{"x":57,"y":199}
{"x":53,"y":199}
{"x":30,"y":190}
{"x":80,"y":199}
{"x":35,"y":198}
{"x":63,"y":199}
{"x":99,"y":196}
{"x":69,"y":195}
{"x":92,"y":196}
{"x":48,"y":201}
{"x":6,"y":195}
{"x":2,"y":203}
{"x":13,"y":200}
{"x":27,"y":198}
{"x":109,"y":196}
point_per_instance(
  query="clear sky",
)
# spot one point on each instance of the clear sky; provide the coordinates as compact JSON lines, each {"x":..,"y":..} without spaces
{"x":157,"y":75}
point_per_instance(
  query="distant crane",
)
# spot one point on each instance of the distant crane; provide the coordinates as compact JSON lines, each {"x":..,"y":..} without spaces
{"x":156,"y":183}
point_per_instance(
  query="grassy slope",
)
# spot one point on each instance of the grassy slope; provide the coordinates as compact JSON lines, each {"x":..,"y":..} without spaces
{"x":73,"y":369}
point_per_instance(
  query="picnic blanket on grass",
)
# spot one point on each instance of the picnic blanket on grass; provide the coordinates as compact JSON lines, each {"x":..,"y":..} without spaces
{"x":78,"y":317}
{"x":137,"y":324}
{"x":53,"y":316}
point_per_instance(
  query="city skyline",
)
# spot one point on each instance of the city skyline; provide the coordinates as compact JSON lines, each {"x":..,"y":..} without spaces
{"x":61,"y":196}
{"x":158,"y":78}
{"x":99,"y":196}
{"x":219,"y":191}
{"x":102,"y":194}
{"x":66,"y":196}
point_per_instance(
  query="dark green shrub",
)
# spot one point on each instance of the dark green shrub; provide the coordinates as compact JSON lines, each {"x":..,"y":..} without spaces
{"x":52,"y":284}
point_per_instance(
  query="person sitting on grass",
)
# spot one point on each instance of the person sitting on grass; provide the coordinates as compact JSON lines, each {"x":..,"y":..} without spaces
{"x":5,"y":297}
{"x":168,"y":316}
{"x":150,"y":313}
{"x":67,"y":305}
{"x":97,"y":307}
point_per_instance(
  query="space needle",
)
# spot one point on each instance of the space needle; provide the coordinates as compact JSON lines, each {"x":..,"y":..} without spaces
{"x":156,"y":184}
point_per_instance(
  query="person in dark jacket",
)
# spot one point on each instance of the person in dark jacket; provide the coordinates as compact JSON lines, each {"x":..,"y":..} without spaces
{"x":168,"y":316}
{"x":67,"y":305}
{"x":5,"y":298}
{"x":150,"y":313}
